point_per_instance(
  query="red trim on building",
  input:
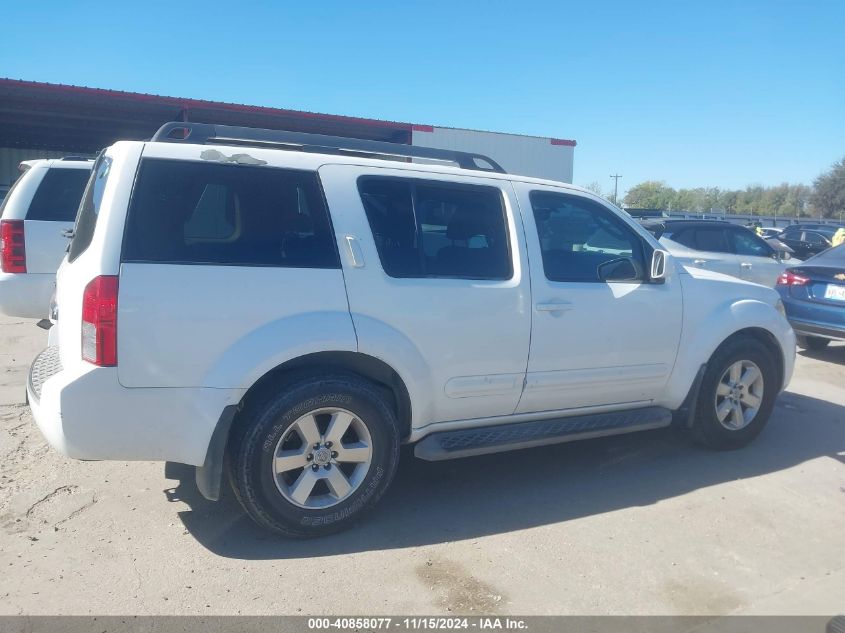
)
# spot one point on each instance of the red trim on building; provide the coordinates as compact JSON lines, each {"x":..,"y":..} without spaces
{"x":422,"y":128}
{"x":563,"y":141}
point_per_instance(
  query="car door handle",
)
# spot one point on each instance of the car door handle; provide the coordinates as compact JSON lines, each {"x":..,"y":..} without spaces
{"x":356,"y":255}
{"x":554,"y":306}
{"x":699,"y":262}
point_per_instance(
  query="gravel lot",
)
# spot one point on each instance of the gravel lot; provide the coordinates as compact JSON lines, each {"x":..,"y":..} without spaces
{"x":641,"y":524}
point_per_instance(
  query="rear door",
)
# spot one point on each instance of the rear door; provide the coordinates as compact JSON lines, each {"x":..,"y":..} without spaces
{"x":713,"y":251}
{"x":437,"y":277}
{"x":51,"y":211}
{"x":757,"y":260}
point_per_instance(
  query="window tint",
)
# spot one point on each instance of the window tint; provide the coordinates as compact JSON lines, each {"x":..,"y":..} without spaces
{"x":814,"y":238}
{"x":578,"y":235}
{"x":791,"y":234}
{"x":86,"y":220}
{"x":58,"y":195}
{"x":746,"y":243}
{"x":432,"y":229}
{"x":711,"y":239}
{"x":187,"y":212}
{"x":687,"y":238}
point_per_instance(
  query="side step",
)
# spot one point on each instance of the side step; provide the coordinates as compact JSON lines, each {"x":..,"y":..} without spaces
{"x":507,"y":437}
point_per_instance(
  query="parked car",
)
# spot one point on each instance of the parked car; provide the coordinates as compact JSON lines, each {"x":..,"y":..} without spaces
{"x":40,"y":205}
{"x":770,"y":231}
{"x":807,"y":242}
{"x":814,"y":296}
{"x":723,"y":247}
{"x":296,"y":315}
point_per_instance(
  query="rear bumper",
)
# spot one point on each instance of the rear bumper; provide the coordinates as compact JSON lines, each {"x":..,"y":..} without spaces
{"x":26,"y":295}
{"x":824,"y":330}
{"x":84,"y":413}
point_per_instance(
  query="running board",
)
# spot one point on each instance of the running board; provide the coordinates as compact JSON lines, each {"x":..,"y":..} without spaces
{"x":508,"y":437}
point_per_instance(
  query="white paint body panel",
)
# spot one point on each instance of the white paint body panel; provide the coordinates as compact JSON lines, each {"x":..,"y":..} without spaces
{"x":192,"y":339}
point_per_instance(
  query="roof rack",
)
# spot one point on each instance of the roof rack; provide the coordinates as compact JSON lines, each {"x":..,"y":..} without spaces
{"x":212,"y":134}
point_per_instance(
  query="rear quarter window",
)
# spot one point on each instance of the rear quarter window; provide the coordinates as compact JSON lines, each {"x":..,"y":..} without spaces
{"x":89,"y":209}
{"x":58,"y":196}
{"x":205,"y":213}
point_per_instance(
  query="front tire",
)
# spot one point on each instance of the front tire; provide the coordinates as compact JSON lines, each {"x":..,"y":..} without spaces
{"x":737,"y":395}
{"x":814,"y":343}
{"x":315,"y":457}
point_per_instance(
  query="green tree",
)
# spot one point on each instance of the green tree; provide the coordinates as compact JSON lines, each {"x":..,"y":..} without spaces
{"x":828,"y":197}
{"x":650,"y":195}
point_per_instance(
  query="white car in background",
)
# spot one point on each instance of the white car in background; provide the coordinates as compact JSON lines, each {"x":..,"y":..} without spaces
{"x":39,"y":207}
{"x":722,"y":247}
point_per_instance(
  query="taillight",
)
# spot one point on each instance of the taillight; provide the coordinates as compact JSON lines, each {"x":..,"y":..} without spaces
{"x":12,"y":246}
{"x":99,"y":321}
{"x":789,"y":278}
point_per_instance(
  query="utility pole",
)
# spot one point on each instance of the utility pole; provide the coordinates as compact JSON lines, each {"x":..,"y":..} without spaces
{"x":616,"y":178}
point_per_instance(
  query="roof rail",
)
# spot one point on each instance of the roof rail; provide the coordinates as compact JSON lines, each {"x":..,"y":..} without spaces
{"x":82,"y":158}
{"x":212,"y":134}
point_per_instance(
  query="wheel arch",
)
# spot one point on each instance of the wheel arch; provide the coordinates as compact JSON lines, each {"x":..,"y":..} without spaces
{"x":344,"y":362}
{"x":209,"y":475}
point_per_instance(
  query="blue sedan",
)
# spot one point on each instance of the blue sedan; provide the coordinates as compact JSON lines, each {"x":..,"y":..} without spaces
{"x":813,"y":294}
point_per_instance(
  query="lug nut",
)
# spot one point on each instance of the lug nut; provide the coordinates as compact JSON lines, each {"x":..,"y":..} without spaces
{"x":309,"y":456}
{"x":327,"y":466}
{"x":334,"y":454}
{"x":317,"y":445}
{"x":315,"y":468}
{"x":328,"y":444}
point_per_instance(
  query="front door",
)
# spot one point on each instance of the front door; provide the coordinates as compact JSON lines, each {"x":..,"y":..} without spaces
{"x":594,"y":343}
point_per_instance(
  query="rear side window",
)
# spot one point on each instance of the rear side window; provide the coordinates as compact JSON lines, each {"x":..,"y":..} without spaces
{"x":746,"y":243}
{"x":205,"y":213}
{"x":712,"y":240}
{"x":58,"y":195}
{"x":86,"y":220}
{"x":428,"y":228}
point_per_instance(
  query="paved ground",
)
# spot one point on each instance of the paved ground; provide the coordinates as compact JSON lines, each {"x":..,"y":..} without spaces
{"x":644,"y":524}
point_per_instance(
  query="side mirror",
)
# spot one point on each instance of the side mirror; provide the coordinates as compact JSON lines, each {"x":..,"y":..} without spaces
{"x":659,"y":271}
{"x":618,"y":269}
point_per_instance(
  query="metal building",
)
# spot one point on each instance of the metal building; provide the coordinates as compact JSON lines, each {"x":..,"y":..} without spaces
{"x":48,"y":120}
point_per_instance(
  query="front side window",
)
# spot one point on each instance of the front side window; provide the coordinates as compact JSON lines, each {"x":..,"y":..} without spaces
{"x":746,"y":243}
{"x":427,"y":228}
{"x":580,"y":237}
{"x":205,"y":213}
{"x":58,"y":195}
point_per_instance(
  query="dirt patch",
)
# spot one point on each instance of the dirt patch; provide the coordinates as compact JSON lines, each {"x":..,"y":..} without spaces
{"x":458,"y":591}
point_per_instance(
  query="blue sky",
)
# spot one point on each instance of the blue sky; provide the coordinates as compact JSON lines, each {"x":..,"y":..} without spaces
{"x":692,"y":93}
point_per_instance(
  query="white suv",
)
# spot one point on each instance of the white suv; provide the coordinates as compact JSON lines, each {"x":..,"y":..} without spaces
{"x":38,"y":208}
{"x":293,"y":308}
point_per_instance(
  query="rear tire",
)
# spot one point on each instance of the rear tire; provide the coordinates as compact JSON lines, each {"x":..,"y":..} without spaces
{"x":737,"y":395}
{"x":812,"y":342}
{"x":315,"y":457}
